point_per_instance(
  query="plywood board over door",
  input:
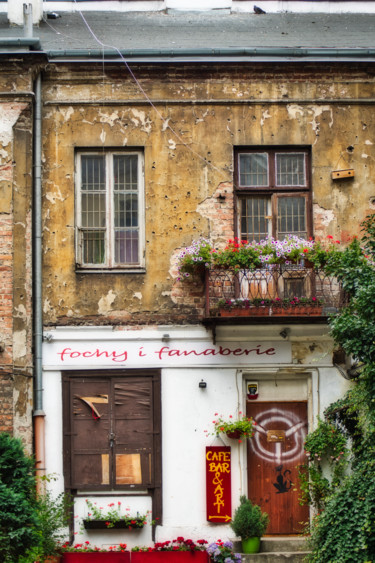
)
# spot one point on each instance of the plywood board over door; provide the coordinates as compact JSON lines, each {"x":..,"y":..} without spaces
{"x":274,"y":456}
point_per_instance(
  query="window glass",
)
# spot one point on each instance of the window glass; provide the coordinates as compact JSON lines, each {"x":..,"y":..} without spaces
{"x":290,"y":169}
{"x":255,"y":218}
{"x":291,"y":216}
{"x":253,"y":169}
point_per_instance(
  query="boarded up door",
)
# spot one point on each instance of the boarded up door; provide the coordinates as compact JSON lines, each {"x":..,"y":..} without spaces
{"x":274,"y":456}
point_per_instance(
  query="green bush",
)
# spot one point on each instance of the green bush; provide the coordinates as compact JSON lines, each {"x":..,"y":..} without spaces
{"x":18,"y":503}
{"x":249,"y":521}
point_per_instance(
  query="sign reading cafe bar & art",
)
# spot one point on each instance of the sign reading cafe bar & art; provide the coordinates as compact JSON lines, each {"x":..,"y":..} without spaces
{"x":218,"y":484}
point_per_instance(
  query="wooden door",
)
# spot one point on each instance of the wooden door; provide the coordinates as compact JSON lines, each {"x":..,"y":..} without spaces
{"x":274,"y":455}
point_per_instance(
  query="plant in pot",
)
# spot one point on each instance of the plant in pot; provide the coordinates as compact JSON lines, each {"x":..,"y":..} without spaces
{"x":179,"y":550}
{"x":249,"y":523}
{"x":82,"y":552}
{"x":235,"y":429}
{"x":101,"y":517}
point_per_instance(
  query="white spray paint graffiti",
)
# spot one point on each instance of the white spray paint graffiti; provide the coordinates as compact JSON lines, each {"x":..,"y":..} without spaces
{"x":270,"y":420}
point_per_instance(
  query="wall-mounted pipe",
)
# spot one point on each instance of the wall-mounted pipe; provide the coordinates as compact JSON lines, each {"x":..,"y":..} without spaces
{"x":39,"y":415}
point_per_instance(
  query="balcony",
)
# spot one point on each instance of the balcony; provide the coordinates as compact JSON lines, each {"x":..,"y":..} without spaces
{"x":295,"y":292}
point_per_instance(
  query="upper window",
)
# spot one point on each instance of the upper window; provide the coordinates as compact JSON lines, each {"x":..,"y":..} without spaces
{"x":273,"y":188}
{"x":110,"y":210}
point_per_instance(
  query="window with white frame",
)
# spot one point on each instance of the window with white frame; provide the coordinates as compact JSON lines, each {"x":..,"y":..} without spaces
{"x":110,"y":210}
{"x":273,"y":189}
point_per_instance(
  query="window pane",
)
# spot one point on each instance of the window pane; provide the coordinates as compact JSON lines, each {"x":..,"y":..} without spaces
{"x":290,"y":169}
{"x":93,"y":209}
{"x":93,"y":247}
{"x":125,"y":172}
{"x":126,"y":209}
{"x":254,"y":221}
{"x":92,"y":172}
{"x":254,"y":169}
{"x":126,"y":246}
{"x":125,"y":205}
{"x":291,"y":217}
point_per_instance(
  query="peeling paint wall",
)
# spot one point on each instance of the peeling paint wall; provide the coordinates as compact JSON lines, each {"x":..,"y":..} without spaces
{"x":188,"y":136}
{"x":15,"y":255}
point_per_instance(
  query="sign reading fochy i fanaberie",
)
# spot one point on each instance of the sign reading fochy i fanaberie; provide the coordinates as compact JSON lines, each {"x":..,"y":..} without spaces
{"x":218,"y":484}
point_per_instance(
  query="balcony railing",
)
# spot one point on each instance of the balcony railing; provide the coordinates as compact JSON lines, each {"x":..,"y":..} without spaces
{"x":276,"y":290}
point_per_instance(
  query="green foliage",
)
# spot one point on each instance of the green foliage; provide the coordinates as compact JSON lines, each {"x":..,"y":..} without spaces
{"x":248,"y":520}
{"x":112,"y":514}
{"x":18,"y":513}
{"x":327,"y":445}
{"x":244,"y":425}
{"x":53,"y":519}
{"x":238,"y":255}
{"x":345,"y":530}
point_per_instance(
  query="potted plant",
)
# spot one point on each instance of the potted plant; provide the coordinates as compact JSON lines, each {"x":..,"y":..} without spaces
{"x":249,"y":523}
{"x":235,"y":429}
{"x":82,"y":552}
{"x":100,"y":518}
{"x":180,"y":550}
{"x":222,"y":552}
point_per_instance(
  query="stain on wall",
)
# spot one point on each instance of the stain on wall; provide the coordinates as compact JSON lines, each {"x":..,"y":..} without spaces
{"x":188,"y":143}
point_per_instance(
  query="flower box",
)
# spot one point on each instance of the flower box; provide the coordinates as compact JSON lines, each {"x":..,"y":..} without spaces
{"x":102,"y":525}
{"x":97,"y":557}
{"x":245,"y":312}
{"x":302,"y":310}
{"x":169,"y":557}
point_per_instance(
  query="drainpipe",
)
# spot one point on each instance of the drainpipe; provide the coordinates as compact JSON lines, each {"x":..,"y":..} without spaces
{"x":39,"y":414}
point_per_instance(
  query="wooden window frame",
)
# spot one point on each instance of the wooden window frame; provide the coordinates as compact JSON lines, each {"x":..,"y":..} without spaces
{"x":272,"y":190}
{"x":110,"y":264}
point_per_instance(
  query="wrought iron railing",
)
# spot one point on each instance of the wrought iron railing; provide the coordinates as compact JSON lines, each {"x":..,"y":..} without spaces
{"x":280,"y":289}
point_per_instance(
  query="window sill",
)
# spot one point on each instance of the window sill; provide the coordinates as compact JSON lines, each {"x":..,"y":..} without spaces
{"x":138,"y":270}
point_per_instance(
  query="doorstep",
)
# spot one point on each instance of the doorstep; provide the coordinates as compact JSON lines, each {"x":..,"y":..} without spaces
{"x":273,"y":550}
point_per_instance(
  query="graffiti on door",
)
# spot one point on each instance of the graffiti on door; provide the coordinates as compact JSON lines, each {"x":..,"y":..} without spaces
{"x":274,"y":450}
{"x":275,"y":454}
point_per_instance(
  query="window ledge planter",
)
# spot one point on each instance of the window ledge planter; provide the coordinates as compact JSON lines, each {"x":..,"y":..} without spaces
{"x":169,"y":557}
{"x":120,"y":524}
{"x":99,"y":557}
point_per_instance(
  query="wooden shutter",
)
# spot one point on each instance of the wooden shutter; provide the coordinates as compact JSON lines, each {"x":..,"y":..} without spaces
{"x":109,"y":435}
{"x":133,"y":418}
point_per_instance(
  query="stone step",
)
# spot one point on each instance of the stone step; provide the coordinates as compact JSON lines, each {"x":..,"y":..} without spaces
{"x":276,"y":549}
{"x":275,"y":557}
{"x":283,"y":544}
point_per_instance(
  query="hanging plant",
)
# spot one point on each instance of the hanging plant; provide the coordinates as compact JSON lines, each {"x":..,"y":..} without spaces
{"x":235,"y":429}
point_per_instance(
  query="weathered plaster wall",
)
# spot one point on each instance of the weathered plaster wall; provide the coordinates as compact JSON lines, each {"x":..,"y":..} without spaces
{"x":15,"y":256}
{"x":198,"y":116}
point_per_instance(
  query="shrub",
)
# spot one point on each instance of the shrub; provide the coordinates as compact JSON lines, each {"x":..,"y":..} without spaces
{"x":249,"y":521}
{"x":18,"y":502}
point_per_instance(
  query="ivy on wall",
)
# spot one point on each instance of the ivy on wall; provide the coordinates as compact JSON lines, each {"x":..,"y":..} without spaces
{"x":344,"y":528}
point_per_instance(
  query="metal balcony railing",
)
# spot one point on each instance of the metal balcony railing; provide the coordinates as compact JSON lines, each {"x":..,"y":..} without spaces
{"x":277,"y":289}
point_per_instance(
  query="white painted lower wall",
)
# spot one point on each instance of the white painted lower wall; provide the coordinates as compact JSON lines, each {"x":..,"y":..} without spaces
{"x":188,"y":411}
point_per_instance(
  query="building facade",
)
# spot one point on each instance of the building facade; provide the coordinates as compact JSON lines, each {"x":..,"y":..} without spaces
{"x":142,"y":154}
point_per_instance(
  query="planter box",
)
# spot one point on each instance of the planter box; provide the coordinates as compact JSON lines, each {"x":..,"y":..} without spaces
{"x":101,"y":557}
{"x":169,"y":557}
{"x":302,"y":310}
{"x":245,"y":312}
{"x":101,"y":525}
